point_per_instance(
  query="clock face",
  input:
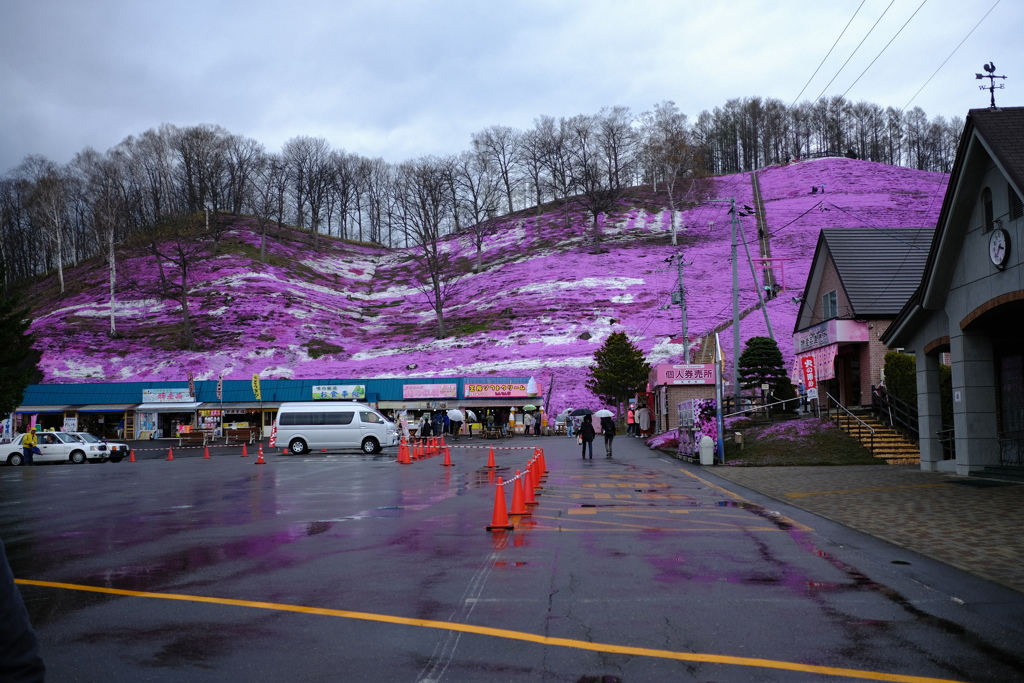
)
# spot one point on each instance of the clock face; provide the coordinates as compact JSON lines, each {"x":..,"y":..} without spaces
{"x":999,"y":247}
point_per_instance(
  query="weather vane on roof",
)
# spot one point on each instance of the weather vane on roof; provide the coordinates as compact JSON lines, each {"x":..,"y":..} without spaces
{"x":990,"y":69}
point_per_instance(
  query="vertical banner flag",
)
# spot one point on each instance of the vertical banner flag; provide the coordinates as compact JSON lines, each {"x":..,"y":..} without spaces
{"x":220,"y":388}
{"x":191,"y":385}
{"x":809,"y":375}
{"x":256,"y":387}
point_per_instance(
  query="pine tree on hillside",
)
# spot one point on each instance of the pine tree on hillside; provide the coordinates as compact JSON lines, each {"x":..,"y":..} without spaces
{"x":761,"y":363}
{"x":620,"y":370}
{"x":18,"y":360}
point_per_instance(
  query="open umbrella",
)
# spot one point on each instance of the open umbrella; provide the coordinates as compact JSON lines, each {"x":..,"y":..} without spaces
{"x":581,"y":411}
{"x":455,"y":415}
{"x":471,"y":415}
{"x":529,"y":408}
{"x":604,"y":413}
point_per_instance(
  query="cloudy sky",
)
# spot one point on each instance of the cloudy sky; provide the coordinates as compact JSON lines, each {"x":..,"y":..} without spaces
{"x":399,"y":79}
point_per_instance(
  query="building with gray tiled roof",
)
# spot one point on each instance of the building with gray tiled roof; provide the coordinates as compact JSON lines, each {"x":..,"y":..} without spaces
{"x":970,"y":303}
{"x":859,"y":281}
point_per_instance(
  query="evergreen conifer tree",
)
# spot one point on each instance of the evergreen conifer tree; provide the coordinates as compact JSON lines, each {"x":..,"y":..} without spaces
{"x":761,"y":363}
{"x":18,"y":360}
{"x":620,"y":370}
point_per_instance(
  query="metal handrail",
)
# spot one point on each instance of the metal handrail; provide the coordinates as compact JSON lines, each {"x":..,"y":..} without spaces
{"x":762,"y":407}
{"x":861,"y":423}
{"x":899,"y":413}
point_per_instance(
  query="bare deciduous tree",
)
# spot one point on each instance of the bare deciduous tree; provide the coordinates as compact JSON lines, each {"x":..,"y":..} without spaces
{"x":424,"y":199}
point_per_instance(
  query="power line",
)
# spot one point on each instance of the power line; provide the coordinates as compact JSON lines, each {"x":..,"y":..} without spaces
{"x":854,"y":52}
{"x":951,"y":55}
{"x":885,"y":48}
{"x":829,"y":52}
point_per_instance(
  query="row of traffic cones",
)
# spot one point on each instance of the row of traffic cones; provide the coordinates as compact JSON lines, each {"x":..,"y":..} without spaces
{"x":422,"y":449}
{"x":206,"y":454}
{"x":524,"y":491}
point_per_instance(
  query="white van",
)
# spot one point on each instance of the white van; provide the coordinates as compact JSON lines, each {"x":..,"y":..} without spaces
{"x":333,"y":425}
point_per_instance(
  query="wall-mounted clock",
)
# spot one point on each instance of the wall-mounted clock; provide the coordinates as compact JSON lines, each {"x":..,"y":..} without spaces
{"x":999,"y":247}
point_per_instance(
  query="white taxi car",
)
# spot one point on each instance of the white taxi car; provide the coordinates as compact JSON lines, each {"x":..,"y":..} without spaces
{"x":55,"y":447}
{"x":115,"y":452}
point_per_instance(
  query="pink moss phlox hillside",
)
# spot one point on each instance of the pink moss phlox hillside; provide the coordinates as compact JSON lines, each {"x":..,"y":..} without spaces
{"x":542,"y":306}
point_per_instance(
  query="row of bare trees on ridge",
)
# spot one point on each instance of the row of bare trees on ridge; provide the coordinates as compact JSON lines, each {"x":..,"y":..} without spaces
{"x":54,"y":215}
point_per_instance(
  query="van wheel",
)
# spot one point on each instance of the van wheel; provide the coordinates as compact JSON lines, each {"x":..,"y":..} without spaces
{"x":370,"y":445}
{"x":77,"y":457}
{"x":298,"y":447}
{"x":15,"y":459}
{"x":115,"y":458}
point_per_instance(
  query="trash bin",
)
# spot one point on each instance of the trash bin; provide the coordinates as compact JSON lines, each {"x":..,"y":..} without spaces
{"x":707,"y":450}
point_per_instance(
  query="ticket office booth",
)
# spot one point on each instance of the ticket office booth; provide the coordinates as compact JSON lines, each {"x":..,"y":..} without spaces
{"x":165,"y":420}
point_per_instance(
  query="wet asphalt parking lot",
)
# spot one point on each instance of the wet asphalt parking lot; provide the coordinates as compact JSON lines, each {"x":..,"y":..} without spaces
{"x":353,"y":567}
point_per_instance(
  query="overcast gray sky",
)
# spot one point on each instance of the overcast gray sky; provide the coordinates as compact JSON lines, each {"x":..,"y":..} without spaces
{"x":399,"y":79}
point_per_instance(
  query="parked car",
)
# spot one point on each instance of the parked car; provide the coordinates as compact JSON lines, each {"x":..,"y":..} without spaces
{"x":115,"y":451}
{"x":333,"y":425}
{"x":56,"y":447}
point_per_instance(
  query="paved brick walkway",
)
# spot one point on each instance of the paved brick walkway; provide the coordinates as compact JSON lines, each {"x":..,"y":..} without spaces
{"x":973,"y":524}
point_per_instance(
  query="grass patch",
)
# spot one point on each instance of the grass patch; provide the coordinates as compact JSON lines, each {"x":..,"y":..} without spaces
{"x":318,"y":347}
{"x":804,"y":441}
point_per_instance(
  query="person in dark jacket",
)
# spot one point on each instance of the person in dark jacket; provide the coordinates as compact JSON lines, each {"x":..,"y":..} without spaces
{"x":608,"y":429}
{"x":19,"y":648}
{"x":587,"y":434}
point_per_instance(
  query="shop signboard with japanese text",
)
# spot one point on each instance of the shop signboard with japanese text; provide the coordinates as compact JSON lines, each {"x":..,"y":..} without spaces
{"x":664,"y":374}
{"x":166,"y":395}
{"x":510,"y":390}
{"x":414,"y":391}
{"x":340,"y":392}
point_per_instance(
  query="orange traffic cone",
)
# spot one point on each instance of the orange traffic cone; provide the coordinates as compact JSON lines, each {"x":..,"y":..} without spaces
{"x":245,"y":453}
{"x":490,"y":458}
{"x":131,"y":455}
{"x":206,"y":452}
{"x":170,"y":454}
{"x":447,"y":458}
{"x":259,"y":458}
{"x":403,"y":453}
{"x":518,"y":502}
{"x":535,"y":473}
{"x":499,"y":518}
{"x":543,"y":463}
{"x":528,"y":485}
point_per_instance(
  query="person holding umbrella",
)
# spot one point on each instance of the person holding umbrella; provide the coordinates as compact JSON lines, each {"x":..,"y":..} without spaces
{"x":455,"y":420}
{"x":608,"y":429}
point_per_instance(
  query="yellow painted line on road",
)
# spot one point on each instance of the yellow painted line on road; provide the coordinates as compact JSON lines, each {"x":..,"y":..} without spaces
{"x":507,"y":634}
{"x":796,"y":525}
{"x":884,"y":488}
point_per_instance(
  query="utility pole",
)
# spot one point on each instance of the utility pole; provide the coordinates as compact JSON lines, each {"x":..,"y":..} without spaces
{"x":735,"y":223}
{"x":679,"y":297}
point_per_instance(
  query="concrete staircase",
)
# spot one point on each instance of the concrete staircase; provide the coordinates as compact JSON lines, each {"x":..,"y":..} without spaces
{"x":889,"y":444}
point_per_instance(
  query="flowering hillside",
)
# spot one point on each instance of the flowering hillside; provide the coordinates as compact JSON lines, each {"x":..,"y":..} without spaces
{"x":541,"y":307}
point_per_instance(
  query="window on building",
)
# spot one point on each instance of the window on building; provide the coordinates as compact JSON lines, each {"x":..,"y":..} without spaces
{"x":986,"y":201}
{"x":1016,"y":205}
{"x":829,"y":306}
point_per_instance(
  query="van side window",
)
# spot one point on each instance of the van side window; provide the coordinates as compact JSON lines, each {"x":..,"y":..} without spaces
{"x":367,"y":416}
{"x":315,"y":419}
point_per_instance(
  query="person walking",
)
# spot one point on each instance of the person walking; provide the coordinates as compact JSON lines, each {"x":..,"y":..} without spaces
{"x":630,"y":422}
{"x":537,"y":420}
{"x":587,"y":435}
{"x":570,"y":424}
{"x":608,"y":429}
{"x":527,"y":423}
{"x":28,"y":445}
